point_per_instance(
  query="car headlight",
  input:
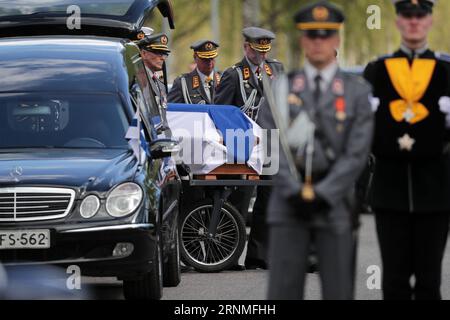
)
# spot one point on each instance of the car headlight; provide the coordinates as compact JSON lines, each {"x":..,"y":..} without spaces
{"x":124,"y":199}
{"x":89,"y":207}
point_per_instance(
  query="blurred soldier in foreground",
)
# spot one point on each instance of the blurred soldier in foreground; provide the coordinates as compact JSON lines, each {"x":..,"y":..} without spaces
{"x":326,"y":133}
{"x":154,"y":51}
{"x":198,"y":86}
{"x":241,"y":86}
{"x":410,"y":188}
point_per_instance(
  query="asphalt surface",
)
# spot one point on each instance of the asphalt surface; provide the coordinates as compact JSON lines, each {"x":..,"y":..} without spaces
{"x":252,"y":285}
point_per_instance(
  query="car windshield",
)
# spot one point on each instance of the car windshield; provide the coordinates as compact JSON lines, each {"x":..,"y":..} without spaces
{"x":103,"y":7}
{"x":44,"y":120}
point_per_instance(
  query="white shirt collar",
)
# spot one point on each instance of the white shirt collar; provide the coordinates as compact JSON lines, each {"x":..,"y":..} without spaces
{"x":417,"y":52}
{"x":150,"y":72}
{"x":327,"y":74}
{"x":253,"y":66}
{"x":203,"y":76}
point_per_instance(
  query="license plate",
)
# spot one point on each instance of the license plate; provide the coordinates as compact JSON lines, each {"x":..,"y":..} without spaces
{"x":25,"y":239}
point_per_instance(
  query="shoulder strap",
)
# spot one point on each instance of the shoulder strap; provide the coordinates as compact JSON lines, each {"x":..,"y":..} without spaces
{"x":241,"y":84}
{"x":248,"y":101}
{"x":184,"y":89}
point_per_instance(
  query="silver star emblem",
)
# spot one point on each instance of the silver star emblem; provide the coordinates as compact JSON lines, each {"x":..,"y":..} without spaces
{"x":406,"y":142}
{"x":409,"y":115}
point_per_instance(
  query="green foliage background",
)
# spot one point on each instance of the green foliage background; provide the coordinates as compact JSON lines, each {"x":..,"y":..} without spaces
{"x":359,"y":45}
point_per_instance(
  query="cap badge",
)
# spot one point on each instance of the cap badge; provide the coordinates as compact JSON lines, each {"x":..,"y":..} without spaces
{"x":321,"y":13}
{"x":209,"y":46}
{"x":164,"y":40}
{"x":264,"y":41}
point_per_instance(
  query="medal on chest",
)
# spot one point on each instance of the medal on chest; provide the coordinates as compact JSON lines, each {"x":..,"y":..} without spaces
{"x":340,"y":104}
{"x":340,"y":107}
{"x":406,"y":143}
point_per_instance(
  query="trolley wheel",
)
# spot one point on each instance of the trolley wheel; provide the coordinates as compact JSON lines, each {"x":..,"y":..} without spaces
{"x":211,"y":254}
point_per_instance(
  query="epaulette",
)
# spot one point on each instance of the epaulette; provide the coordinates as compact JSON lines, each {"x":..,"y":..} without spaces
{"x":442,"y":56}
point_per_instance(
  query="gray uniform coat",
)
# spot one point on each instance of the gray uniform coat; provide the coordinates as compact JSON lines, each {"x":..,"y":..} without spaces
{"x":351,"y":145}
{"x":332,"y":232}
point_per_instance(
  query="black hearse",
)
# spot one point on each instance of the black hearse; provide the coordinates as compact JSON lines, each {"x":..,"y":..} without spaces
{"x":72,"y":191}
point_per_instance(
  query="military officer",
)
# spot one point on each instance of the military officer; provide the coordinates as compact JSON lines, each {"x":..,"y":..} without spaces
{"x":241,"y":86}
{"x":154,"y":50}
{"x":410,"y":188}
{"x":198,"y":86}
{"x":328,"y":134}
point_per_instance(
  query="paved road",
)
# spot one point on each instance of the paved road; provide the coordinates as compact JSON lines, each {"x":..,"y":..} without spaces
{"x":252,"y":285}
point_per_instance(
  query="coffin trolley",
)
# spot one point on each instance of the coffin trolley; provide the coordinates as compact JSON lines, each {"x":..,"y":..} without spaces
{"x":221,"y":151}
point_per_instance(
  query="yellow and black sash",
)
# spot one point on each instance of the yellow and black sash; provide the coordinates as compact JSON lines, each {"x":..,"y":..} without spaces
{"x":411,"y":83}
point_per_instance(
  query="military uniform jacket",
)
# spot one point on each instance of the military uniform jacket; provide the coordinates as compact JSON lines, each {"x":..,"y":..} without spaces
{"x":229,"y":90}
{"x":159,"y":90}
{"x":412,"y":170}
{"x":350,"y":139}
{"x":196,"y":90}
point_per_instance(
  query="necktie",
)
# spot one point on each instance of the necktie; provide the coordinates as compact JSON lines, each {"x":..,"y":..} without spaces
{"x":259,"y":77}
{"x":209,"y":86}
{"x":317,"y":91}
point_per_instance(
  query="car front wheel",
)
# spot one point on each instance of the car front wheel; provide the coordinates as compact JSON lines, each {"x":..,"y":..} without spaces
{"x":149,"y":287}
{"x":171,"y":268}
{"x":212,"y":253}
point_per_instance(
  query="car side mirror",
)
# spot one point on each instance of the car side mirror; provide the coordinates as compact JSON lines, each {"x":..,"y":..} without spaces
{"x":163,"y":148}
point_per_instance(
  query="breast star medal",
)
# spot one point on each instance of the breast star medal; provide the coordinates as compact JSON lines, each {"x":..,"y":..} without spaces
{"x":406,"y":143}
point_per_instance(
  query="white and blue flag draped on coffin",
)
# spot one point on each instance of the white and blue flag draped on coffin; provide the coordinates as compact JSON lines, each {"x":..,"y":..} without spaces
{"x":211,"y":136}
{"x":136,"y":138}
